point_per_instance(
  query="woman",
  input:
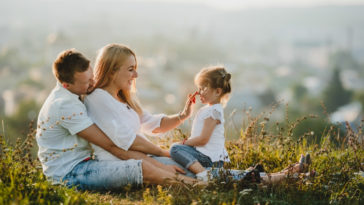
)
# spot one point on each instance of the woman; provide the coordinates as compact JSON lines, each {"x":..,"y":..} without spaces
{"x":115,"y":110}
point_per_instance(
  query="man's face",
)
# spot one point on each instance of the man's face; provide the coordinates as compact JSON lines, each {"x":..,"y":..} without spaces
{"x":83,"y":82}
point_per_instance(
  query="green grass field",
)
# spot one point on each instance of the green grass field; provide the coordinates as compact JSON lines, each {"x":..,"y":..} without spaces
{"x":338,"y":159}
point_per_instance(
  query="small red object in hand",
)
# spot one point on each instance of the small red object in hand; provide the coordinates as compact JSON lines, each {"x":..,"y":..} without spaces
{"x":193,"y":97}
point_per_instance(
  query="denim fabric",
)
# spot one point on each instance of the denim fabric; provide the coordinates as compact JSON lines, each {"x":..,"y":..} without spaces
{"x":187,"y":155}
{"x":169,"y":161}
{"x":218,"y":164}
{"x":234,"y":173}
{"x":105,"y":175}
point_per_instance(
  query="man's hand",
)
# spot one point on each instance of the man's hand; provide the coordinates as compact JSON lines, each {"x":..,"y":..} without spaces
{"x":175,"y":169}
{"x":165,"y":153}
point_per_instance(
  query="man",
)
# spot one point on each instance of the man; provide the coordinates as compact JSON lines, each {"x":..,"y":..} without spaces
{"x":64,"y":131}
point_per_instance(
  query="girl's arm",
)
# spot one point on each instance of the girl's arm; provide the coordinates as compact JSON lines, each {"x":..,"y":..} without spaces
{"x":208,"y":127}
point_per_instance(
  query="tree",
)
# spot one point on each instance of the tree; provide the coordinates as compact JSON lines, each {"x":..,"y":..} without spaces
{"x":335,"y":95}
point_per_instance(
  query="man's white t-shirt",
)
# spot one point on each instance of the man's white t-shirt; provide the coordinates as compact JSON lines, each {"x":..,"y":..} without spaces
{"x":118,"y":121}
{"x":61,"y":117}
{"x":215,"y":147}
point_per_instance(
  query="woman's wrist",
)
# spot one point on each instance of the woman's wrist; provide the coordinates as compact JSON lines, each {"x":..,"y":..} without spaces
{"x":181,"y":117}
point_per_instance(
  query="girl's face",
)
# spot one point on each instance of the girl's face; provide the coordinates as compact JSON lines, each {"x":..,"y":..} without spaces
{"x":209,"y":95}
{"x":123,"y":78}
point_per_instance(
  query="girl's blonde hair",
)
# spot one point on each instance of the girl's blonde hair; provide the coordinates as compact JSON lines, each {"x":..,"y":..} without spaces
{"x":109,"y":60}
{"x":215,"y":77}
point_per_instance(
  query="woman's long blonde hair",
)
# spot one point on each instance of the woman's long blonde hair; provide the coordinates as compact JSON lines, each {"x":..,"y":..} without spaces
{"x":109,"y":60}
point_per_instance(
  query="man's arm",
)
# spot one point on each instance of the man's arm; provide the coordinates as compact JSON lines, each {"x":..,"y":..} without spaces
{"x":142,"y":145}
{"x":95,"y":135}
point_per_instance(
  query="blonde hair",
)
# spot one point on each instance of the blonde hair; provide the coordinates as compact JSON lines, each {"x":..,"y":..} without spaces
{"x":109,"y":60}
{"x":215,"y":77}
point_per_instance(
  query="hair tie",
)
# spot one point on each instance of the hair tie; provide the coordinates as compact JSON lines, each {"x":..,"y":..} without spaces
{"x":222,"y":74}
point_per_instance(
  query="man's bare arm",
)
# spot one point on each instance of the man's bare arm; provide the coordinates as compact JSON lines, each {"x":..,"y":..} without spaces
{"x":95,"y":135}
{"x":142,"y":145}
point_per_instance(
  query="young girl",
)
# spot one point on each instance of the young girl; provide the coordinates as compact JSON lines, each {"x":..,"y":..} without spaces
{"x":206,"y":146}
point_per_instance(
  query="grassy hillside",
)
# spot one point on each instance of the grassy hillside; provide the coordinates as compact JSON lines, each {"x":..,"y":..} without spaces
{"x":337,"y":159}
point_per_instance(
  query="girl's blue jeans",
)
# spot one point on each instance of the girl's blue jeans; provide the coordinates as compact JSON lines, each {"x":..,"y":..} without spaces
{"x":187,"y":155}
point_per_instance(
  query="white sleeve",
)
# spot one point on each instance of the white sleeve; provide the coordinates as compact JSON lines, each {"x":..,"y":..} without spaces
{"x":214,"y":114}
{"x":74,"y":117}
{"x":150,"y":122}
{"x":109,"y":118}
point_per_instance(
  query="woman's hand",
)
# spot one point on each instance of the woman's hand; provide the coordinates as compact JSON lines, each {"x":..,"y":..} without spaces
{"x":188,"y":106}
{"x":172,"y":121}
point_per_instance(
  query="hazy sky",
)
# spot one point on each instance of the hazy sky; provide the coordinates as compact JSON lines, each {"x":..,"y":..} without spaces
{"x":241,"y":4}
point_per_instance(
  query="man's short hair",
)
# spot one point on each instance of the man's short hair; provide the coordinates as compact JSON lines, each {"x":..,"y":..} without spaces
{"x":67,"y":63}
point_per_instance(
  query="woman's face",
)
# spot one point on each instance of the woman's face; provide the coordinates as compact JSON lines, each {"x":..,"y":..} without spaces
{"x":125,"y":76}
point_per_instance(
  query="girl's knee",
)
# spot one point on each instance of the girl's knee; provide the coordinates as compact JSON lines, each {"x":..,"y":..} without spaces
{"x":175,"y":149}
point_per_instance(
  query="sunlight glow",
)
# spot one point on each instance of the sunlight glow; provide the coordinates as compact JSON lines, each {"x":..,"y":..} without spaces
{"x":248,"y":4}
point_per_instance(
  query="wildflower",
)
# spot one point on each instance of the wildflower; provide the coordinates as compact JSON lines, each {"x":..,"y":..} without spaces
{"x":62,"y":117}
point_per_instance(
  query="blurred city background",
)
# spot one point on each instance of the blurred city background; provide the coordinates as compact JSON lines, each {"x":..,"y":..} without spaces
{"x":299,"y":54}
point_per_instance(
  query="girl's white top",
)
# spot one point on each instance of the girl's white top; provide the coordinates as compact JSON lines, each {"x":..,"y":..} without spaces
{"x":215,"y":147}
{"x":118,"y":121}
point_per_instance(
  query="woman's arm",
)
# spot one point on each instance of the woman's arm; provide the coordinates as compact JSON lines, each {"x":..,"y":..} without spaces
{"x":172,"y":121}
{"x":208,"y":127}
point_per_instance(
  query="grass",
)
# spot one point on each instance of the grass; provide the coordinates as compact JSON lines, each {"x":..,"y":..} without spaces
{"x":336,"y":159}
